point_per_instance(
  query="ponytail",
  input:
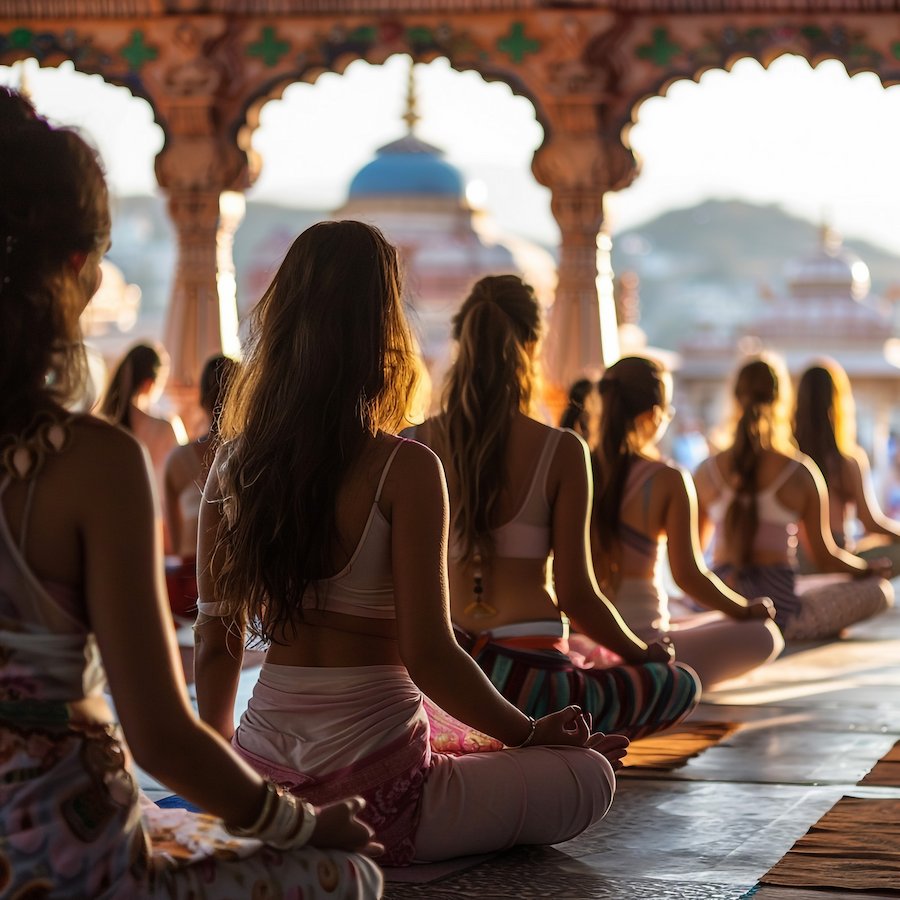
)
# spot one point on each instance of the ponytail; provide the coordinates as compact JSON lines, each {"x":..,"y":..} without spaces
{"x":742,"y":515}
{"x":630,"y":387}
{"x":142,"y":362}
{"x":491,"y":381}
{"x":761,"y":425}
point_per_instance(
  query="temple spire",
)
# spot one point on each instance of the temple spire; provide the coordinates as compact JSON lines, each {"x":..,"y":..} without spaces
{"x":411,"y":115}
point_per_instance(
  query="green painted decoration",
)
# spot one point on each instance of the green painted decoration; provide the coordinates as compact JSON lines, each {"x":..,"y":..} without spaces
{"x":268,"y":48}
{"x":136,"y":52}
{"x":813,"y":41}
{"x":516,"y":45}
{"x":660,"y":51}
{"x":20,"y":38}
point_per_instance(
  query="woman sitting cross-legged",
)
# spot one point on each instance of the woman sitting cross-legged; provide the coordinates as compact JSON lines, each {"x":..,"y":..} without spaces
{"x":644,"y":504}
{"x":755,"y":494}
{"x":520,"y":493}
{"x":825,"y":430}
{"x":325,"y":535}
{"x":185,"y":474}
{"x":81,"y":579}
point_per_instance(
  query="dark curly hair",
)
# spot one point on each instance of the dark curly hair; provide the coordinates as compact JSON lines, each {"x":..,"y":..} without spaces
{"x":54,"y":206}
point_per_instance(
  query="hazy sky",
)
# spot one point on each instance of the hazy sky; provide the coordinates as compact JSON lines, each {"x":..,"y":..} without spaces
{"x":814,"y":141}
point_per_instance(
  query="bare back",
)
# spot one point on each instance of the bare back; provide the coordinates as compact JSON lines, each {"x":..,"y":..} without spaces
{"x":516,"y":587}
{"x":324,"y":637}
{"x":784,"y":482}
{"x":644,"y":511}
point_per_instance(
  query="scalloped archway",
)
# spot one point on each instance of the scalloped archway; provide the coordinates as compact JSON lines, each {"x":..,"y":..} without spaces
{"x":204,"y":66}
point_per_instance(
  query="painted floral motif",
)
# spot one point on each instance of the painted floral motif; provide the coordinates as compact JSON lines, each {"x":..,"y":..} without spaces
{"x":393,"y":35}
{"x":812,"y":40}
{"x":47,"y":47}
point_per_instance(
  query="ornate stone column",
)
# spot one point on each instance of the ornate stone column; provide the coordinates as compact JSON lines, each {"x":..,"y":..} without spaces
{"x":199,"y":162}
{"x":192,"y":322}
{"x":582,"y":336}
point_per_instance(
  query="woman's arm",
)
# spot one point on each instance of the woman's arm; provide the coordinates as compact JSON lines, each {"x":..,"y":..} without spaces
{"x":685,"y":559}
{"x":417,"y":494}
{"x":218,"y":647}
{"x":573,"y":570}
{"x":172,"y":509}
{"x":128,"y":612}
{"x":868,"y":510}
{"x":705,"y":496}
{"x":814,"y":518}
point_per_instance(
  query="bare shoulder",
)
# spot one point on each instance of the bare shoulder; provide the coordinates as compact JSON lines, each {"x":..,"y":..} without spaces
{"x":672,"y":477}
{"x":104,"y":446}
{"x":104,"y":469}
{"x":805,"y":471}
{"x":703,"y":468}
{"x":416,"y":475}
{"x":572,"y":446}
{"x":415,"y":459}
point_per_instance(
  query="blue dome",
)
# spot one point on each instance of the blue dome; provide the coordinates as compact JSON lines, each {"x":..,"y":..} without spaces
{"x":407,"y":167}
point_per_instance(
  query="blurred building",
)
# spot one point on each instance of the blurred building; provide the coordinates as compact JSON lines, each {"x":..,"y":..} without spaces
{"x":447,"y":242}
{"x":825,"y":310}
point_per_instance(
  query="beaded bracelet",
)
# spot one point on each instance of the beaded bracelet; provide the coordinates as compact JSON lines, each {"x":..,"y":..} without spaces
{"x":527,"y":740}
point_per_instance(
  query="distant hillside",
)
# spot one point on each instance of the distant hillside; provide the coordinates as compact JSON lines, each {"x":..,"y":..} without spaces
{"x":143,"y":245}
{"x":711,"y":261}
{"x":708,"y":263}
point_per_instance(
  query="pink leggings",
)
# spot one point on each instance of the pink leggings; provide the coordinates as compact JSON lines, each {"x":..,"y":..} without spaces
{"x":718,"y":647}
{"x":483,"y":802}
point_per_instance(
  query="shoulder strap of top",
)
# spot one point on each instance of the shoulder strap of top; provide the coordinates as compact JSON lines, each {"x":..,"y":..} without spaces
{"x":546,"y":458}
{"x":785,"y":473}
{"x":640,"y":475}
{"x":716,"y":473}
{"x":387,"y":468}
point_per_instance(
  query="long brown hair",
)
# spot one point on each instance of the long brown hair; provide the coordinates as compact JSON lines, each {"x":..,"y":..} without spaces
{"x":140,"y":364}
{"x":761,"y":392}
{"x":629,"y":387}
{"x":575,"y":416}
{"x":54,"y":205}
{"x":491,"y":379}
{"x":329,"y":363}
{"x":823,"y":421}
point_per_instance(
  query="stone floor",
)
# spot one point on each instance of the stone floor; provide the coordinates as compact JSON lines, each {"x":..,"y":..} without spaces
{"x":814,"y":722}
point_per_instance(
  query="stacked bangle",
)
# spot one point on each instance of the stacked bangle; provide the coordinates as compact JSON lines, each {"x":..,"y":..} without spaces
{"x":284,"y":821}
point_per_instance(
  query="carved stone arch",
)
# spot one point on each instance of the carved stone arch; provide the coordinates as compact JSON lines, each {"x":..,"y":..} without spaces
{"x":654,"y":55}
{"x":320,"y":55}
{"x":119,"y":57}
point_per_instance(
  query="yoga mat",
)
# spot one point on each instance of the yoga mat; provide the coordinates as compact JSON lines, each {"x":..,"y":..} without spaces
{"x":852,"y":847}
{"x":886,"y":772}
{"x":663,"y":752}
{"x":425,"y":873}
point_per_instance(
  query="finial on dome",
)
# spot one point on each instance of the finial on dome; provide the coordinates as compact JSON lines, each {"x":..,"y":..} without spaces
{"x":411,"y":116}
{"x":829,"y":237}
